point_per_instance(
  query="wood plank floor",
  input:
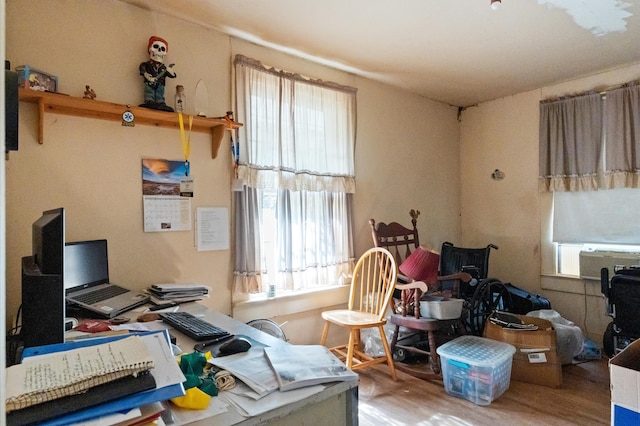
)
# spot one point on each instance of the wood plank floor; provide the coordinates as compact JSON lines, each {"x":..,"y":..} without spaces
{"x":583,"y":399}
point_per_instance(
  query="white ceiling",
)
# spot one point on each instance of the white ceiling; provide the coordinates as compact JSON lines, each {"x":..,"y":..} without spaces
{"x":460,"y":52}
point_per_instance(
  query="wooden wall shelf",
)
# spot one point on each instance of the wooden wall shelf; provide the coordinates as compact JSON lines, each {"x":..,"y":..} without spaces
{"x":91,"y":108}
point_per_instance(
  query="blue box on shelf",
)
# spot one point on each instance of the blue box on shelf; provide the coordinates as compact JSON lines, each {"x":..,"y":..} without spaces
{"x":476,"y":368}
{"x":31,"y":78}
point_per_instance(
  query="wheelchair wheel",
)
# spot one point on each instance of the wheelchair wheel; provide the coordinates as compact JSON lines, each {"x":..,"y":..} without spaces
{"x":490,"y":295}
{"x":608,"y":344}
{"x":399,"y":354}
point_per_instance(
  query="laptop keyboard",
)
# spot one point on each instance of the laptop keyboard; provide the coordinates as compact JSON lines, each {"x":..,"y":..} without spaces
{"x":99,"y":295}
{"x":192,"y":326}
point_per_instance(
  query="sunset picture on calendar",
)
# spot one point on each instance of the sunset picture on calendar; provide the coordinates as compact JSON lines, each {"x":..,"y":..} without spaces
{"x":162,"y":177}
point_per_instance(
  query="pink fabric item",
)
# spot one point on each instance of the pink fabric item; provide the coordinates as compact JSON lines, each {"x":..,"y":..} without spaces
{"x":422,"y":265}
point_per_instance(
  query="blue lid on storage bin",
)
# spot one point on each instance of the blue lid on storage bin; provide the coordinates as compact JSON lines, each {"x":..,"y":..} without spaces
{"x":476,"y":350}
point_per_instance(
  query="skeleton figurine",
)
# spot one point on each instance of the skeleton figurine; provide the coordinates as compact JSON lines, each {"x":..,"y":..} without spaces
{"x":154,"y":73}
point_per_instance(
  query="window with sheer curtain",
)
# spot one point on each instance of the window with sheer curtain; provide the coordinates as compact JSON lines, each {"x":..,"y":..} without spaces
{"x":293,"y":194}
{"x":590,"y":160}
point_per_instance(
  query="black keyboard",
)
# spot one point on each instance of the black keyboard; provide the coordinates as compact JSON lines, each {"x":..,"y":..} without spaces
{"x":100,"y":295}
{"x":192,"y":326}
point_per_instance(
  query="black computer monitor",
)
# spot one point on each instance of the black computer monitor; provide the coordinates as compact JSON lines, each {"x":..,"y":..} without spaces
{"x":43,"y":301}
{"x":48,"y":238}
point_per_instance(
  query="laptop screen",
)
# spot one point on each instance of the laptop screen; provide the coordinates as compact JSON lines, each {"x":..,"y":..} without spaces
{"x":85,"y":264}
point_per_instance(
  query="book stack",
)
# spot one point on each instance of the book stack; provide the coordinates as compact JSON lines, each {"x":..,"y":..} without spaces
{"x":116,"y":379}
{"x":178,"y":293}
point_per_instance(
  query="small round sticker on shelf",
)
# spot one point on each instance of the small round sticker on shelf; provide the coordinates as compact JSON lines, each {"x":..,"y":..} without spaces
{"x":128,"y":119}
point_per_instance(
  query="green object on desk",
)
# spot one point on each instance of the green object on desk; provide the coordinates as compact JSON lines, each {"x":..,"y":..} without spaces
{"x":209,"y":387}
{"x":193,"y":366}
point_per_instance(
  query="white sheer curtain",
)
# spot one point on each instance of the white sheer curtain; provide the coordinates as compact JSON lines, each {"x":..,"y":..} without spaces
{"x":296,"y":166}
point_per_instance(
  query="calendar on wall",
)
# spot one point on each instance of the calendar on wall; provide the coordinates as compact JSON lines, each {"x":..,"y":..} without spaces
{"x":163,"y":206}
{"x":163,"y":213}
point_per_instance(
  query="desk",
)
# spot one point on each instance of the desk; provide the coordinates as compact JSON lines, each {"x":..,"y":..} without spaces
{"x":336,"y":405}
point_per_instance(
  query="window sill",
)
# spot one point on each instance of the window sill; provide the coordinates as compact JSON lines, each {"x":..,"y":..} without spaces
{"x":290,"y":304}
{"x":570,"y":284}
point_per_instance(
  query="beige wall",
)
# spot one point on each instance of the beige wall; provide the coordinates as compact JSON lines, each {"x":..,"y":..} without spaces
{"x":411,"y":153}
{"x":93,"y":167}
{"x":503,"y":134}
{"x":407,"y":153}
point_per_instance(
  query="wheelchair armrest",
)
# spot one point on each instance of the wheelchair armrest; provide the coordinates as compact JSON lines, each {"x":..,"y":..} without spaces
{"x":462,"y":276}
{"x":604,"y":282}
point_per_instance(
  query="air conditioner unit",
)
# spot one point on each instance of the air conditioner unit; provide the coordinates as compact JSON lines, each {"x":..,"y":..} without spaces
{"x":592,"y":261}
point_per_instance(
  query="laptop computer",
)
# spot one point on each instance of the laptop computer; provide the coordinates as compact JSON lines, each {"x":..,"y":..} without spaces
{"x":86,"y":281}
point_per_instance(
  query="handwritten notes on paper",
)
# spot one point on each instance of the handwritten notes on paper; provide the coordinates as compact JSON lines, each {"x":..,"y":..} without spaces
{"x":46,"y":377}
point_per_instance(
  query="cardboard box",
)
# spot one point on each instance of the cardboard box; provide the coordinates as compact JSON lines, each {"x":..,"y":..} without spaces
{"x":536,"y":359}
{"x":624,"y":371}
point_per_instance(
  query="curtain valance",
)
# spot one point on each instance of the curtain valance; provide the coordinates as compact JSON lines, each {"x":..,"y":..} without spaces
{"x":591,"y":141}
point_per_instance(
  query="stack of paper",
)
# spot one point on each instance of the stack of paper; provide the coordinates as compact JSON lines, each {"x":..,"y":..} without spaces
{"x":256,"y":390}
{"x":163,"y":293}
{"x":44,"y":378}
{"x":166,"y":380}
{"x":252,"y":368}
{"x":145,"y":415}
{"x":263,"y":374}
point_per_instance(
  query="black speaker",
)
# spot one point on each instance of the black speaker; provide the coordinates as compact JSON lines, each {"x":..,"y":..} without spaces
{"x":11,"y":107}
{"x":43,"y":306}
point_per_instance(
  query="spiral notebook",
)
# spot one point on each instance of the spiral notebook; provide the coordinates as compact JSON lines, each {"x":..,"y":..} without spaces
{"x":47,"y":377}
{"x":166,"y":371}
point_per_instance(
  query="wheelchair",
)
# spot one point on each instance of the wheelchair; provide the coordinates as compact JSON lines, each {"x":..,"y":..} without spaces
{"x":482,"y":295}
{"x":622,"y":296}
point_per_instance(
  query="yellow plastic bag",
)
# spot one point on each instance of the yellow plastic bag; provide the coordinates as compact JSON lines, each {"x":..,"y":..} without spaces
{"x":194,"y":399}
{"x":200,"y":383}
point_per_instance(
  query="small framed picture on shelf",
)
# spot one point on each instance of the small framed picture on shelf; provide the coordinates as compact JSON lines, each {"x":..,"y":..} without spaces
{"x":31,"y":78}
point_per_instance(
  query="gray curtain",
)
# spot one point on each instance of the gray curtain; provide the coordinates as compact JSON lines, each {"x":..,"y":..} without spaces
{"x":622,"y":117}
{"x":247,"y":264}
{"x":570,"y":143}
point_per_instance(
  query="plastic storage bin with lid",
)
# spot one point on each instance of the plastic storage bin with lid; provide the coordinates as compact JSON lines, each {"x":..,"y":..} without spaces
{"x":476,"y":368}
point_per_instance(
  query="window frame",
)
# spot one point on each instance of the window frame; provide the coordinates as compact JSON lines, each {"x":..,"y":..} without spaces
{"x":294,"y":156}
